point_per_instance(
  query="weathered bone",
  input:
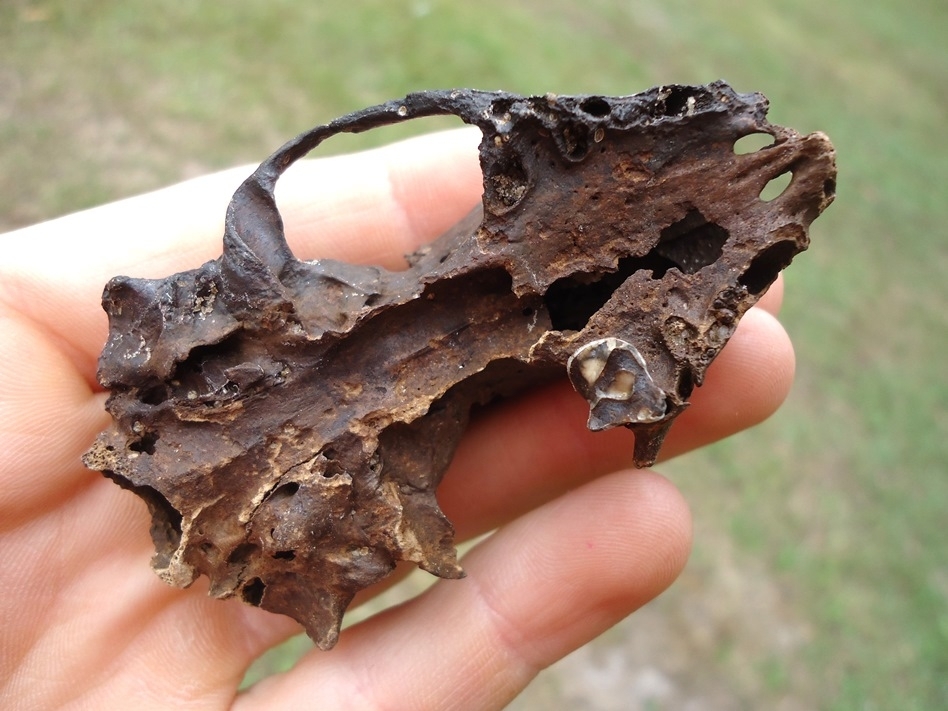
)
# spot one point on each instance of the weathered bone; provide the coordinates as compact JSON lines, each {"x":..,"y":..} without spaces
{"x":287,"y":422}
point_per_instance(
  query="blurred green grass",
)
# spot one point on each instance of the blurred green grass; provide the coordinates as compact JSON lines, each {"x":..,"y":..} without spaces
{"x":841,"y":497}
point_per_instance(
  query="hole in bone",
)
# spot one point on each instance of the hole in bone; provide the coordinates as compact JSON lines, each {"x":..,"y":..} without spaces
{"x":691,"y":243}
{"x":765,"y":266}
{"x":686,"y":382}
{"x":285,"y":555}
{"x":776,"y":186}
{"x":752,"y":142}
{"x":576,"y":141}
{"x":330,"y":465}
{"x":507,"y":182}
{"x":285,"y":491}
{"x":571,"y":301}
{"x":252,"y":592}
{"x":154,"y":395}
{"x":688,"y":245}
{"x":146,"y":444}
{"x":677,"y":101}
{"x":242,"y":553}
{"x":203,"y":370}
{"x":596,"y":106}
{"x":300,"y":181}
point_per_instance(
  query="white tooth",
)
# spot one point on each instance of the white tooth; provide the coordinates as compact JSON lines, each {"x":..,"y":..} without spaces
{"x":621,"y":387}
{"x":591,"y":369}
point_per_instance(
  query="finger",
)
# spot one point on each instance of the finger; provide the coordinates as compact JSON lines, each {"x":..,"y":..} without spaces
{"x":532,"y":449}
{"x":54,"y":273}
{"x":48,"y":418}
{"x":745,"y":385}
{"x":139,"y":637}
{"x":377,"y":206}
{"x":373,"y":206}
{"x":77,"y":577}
{"x":76,"y":552}
{"x":537,"y":589}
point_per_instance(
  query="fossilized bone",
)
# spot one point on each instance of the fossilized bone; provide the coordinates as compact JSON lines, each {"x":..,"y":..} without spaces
{"x":287,"y":422}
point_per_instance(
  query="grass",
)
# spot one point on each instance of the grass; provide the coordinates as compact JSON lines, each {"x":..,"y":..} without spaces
{"x":840,"y":498}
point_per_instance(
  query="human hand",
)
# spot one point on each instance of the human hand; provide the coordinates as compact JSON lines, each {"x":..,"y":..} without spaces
{"x":582,"y":541}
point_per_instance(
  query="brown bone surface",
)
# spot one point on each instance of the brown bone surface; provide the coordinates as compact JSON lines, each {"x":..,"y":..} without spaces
{"x":287,"y":422}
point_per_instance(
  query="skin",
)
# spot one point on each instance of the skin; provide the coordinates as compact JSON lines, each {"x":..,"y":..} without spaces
{"x":582,"y":540}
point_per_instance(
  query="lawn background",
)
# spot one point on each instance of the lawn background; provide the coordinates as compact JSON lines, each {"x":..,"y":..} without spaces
{"x":820,"y":572}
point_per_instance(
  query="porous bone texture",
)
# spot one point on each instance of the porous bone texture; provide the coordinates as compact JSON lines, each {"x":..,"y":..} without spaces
{"x":287,"y":421}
